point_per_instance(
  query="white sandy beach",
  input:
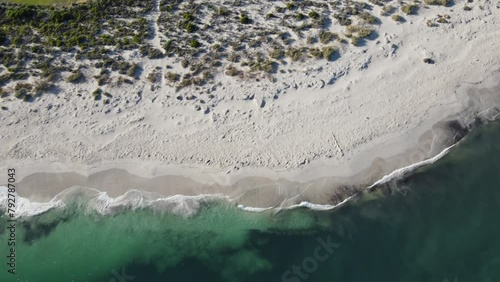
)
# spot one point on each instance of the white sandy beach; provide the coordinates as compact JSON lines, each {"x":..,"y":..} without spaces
{"x":316,"y":130}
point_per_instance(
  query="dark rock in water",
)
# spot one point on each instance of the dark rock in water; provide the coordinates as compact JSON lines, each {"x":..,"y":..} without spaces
{"x":343,"y":192}
{"x":263,"y":103}
{"x":429,"y":61}
{"x":4,"y":108}
{"x":179,"y":98}
{"x":458,"y":130}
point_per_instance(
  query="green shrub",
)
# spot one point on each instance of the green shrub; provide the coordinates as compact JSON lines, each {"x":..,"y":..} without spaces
{"x":344,"y":21}
{"x":75,"y":77}
{"x":254,"y":43}
{"x":41,"y":86}
{"x":190,"y":27}
{"x":154,"y":53}
{"x":206,"y":75}
{"x":328,"y":52}
{"x":17,"y":40}
{"x":3,"y":93}
{"x":326,"y":36}
{"x":244,"y":19}
{"x":20,"y":93}
{"x":232,"y":71}
{"x":194,"y":43}
{"x":300,"y":16}
{"x":172,"y":77}
{"x":368,"y":18}
{"x":270,"y":15}
{"x":387,"y":10}
{"x":153,"y":77}
{"x":409,"y":9}
{"x":437,"y":2}
{"x":102,"y":79}
{"x":295,"y":53}
{"x":217,"y":47}
{"x":121,"y":80}
{"x":132,"y":71}
{"x":188,"y":16}
{"x":27,"y":97}
{"x":311,"y":40}
{"x":442,"y":20}
{"x":342,"y":40}
{"x":185,"y":83}
{"x":362,"y":32}
{"x":313,"y":15}
{"x":315,"y":53}
{"x":397,"y":18}
{"x":184,"y":63}
{"x":265,"y":66}
{"x":97,"y":94}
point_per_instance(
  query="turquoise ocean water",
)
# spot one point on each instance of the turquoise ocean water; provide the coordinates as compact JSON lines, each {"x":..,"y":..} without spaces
{"x":440,"y":224}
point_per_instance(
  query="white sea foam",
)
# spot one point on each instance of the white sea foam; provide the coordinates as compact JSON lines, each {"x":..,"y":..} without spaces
{"x":402,"y":172}
{"x":25,"y":207}
{"x":253,"y":209}
{"x":97,"y":201}
{"x":93,"y":200}
{"x":397,"y":174}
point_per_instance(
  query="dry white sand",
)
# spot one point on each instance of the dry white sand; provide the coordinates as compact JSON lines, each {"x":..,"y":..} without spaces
{"x":288,"y":144}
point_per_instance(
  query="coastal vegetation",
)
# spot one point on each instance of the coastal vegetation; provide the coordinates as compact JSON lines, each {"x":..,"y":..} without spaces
{"x":409,"y":9}
{"x":397,"y":18}
{"x":47,"y":43}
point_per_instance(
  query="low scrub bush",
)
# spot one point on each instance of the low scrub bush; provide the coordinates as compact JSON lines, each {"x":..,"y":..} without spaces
{"x":409,"y":9}
{"x":397,"y":18}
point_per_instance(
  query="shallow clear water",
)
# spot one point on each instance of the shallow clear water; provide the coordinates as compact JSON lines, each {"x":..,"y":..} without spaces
{"x":441,"y":224}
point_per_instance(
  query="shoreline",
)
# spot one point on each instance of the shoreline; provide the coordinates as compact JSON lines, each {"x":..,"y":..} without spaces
{"x":183,"y":205}
{"x":190,"y":188}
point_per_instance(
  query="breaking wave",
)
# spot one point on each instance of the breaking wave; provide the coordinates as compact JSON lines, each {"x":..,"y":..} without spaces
{"x":92,"y":200}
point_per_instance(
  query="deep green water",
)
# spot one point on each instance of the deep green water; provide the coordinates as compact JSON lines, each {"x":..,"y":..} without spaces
{"x":441,"y":224}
